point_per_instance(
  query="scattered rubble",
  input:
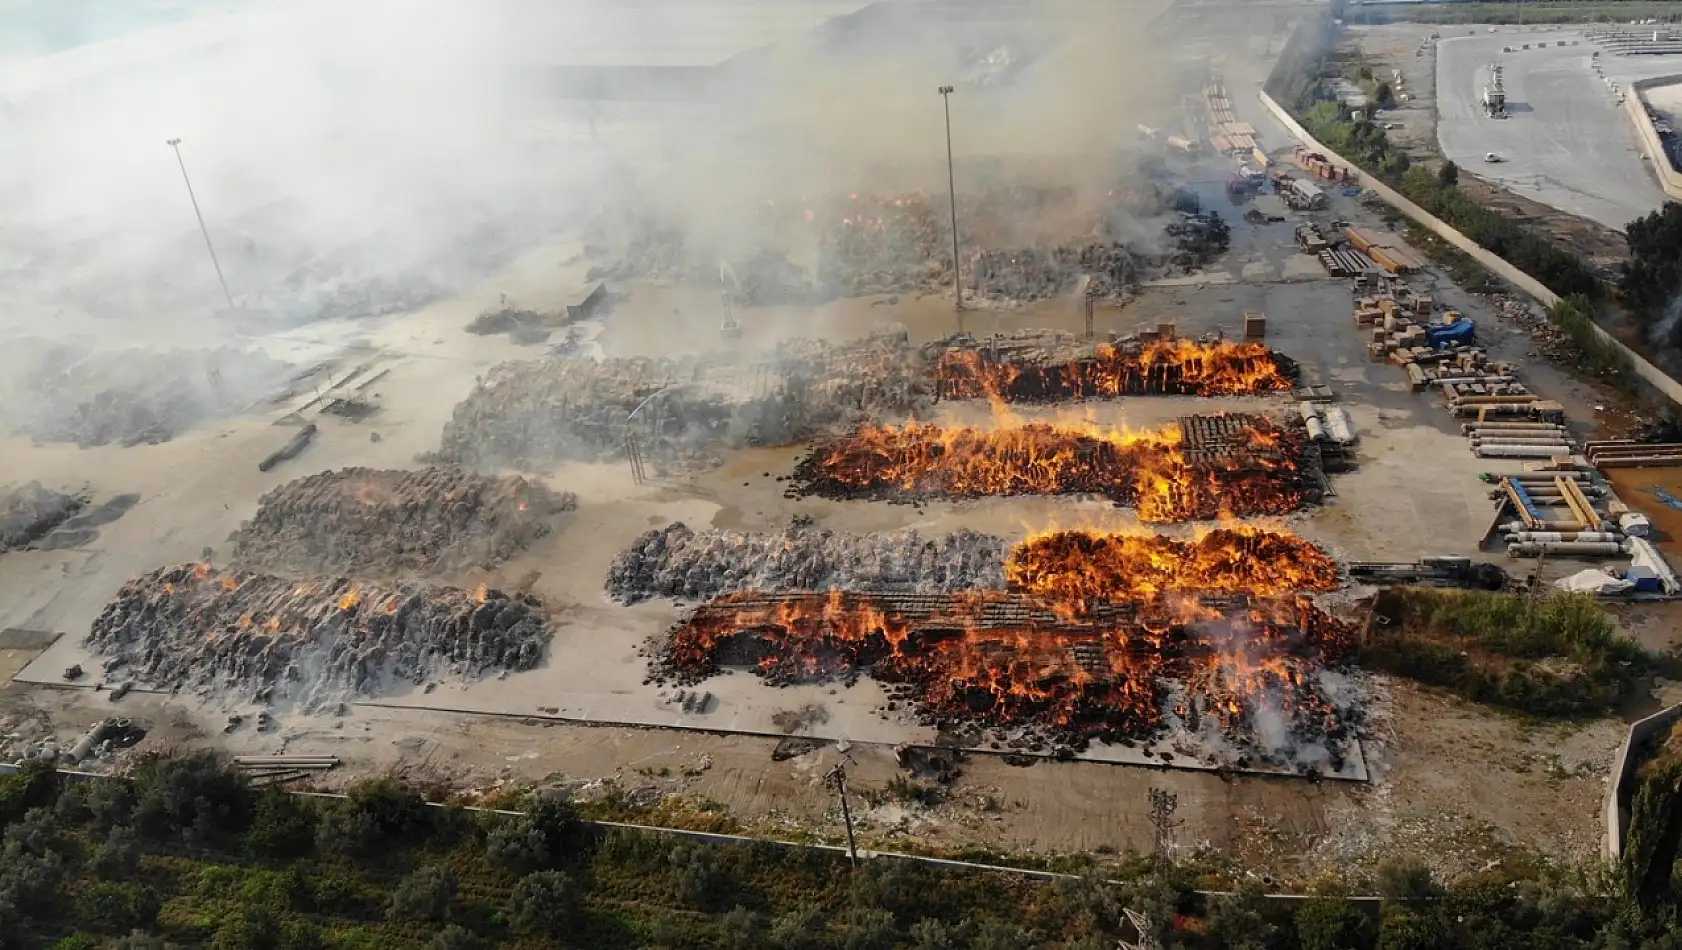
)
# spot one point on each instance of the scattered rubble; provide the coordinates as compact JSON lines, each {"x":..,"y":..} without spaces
{"x":369,"y":522}
{"x":31,"y":512}
{"x":677,"y":562}
{"x":239,"y":636}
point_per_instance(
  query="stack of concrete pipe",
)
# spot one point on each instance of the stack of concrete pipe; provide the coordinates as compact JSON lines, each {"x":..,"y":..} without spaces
{"x":1518,"y":440}
{"x":1327,"y":423}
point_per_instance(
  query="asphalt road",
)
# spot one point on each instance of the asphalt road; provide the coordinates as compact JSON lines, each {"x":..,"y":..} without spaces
{"x":1567,"y":144}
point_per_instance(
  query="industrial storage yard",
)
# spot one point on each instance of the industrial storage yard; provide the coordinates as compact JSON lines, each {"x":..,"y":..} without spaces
{"x":705,"y":509}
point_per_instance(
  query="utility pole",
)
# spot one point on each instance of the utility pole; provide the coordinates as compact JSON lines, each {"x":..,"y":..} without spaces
{"x":836,"y":780}
{"x":175,"y":144}
{"x":1163,"y":805}
{"x":952,"y":192}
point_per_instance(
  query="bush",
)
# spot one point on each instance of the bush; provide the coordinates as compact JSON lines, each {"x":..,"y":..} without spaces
{"x":543,"y":904}
{"x":282,"y":827}
{"x":1001,"y":935}
{"x":1406,"y":879}
{"x":139,"y":940}
{"x":1236,"y":921}
{"x":249,"y":928}
{"x":799,"y":929}
{"x":35,"y":833}
{"x":118,"y":855}
{"x":454,"y":937}
{"x":1448,"y":175}
{"x":1410,"y":930}
{"x":36,"y":785}
{"x":742,"y":929}
{"x":77,"y":941}
{"x":426,"y":894}
{"x":930,"y":934}
{"x":1331,"y":923}
{"x":117,"y":908}
{"x":869,"y":928}
{"x":696,"y":877}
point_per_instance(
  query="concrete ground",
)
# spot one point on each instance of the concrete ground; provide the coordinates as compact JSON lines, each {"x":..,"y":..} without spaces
{"x":1568,"y":144}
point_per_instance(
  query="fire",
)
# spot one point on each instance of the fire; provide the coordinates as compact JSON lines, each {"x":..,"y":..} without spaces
{"x":1256,"y":471}
{"x":350,"y":600}
{"x":1172,"y":367}
{"x":228,"y":583}
{"x":479,"y":594}
{"x":1080,"y":567}
{"x":1001,"y":659}
{"x":201,"y":572}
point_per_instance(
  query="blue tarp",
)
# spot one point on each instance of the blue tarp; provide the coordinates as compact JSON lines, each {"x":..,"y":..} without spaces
{"x":1462,"y":332}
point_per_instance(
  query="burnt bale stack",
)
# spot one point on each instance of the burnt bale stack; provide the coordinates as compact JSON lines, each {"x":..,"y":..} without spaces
{"x":30,"y":512}
{"x":259,"y":637}
{"x":365,"y":521}
{"x":681,"y":563}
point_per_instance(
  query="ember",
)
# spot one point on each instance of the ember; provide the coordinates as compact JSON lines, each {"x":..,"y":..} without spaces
{"x":314,"y":641}
{"x":1243,"y":465}
{"x":1173,"y":367}
{"x":1081,"y":567}
{"x":1002,"y":660}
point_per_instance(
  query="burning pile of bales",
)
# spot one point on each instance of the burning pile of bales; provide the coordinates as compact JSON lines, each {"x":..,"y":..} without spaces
{"x":680,"y":563}
{"x":1040,"y":366}
{"x":678,"y":411}
{"x":1235,"y":668}
{"x":241,"y":636}
{"x":1200,"y":468}
{"x":364,"y":521}
{"x":1082,"y":566}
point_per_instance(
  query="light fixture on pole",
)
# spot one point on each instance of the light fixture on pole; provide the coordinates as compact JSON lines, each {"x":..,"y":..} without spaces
{"x":952,"y":192}
{"x":175,"y":144}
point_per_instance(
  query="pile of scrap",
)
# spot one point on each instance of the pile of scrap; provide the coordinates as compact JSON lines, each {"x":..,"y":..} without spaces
{"x":1386,"y":250}
{"x":678,"y":562}
{"x":1556,"y":516}
{"x":259,"y":637}
{"x":1311,"y":239}
{"x":1625,"y":453}
{"x":1027,"y":275}
{"x":366,"y":521}
{"x":677,"y":412}
{"x":1438,"y":571}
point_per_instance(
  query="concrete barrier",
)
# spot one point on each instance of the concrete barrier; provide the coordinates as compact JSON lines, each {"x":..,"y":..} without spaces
{"x":1498,"y":266}
{"x":1619,"y":785}
{"x":1635,"y":104}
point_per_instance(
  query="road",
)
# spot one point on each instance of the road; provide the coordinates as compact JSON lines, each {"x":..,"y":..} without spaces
{"x":1567,"y":144}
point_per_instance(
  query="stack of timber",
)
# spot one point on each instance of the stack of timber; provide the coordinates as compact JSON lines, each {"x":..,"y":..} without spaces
{"x":1341,"y":262}
{"x":1387,"y":251}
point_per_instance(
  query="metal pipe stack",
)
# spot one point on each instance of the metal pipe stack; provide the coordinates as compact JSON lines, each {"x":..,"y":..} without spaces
{"x":1518,"y":439}
{"x":1623,"y":453}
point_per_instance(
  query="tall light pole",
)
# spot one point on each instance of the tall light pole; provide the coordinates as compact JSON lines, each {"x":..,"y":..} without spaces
{"x":175,"y":144}
{"x":952,"y":192}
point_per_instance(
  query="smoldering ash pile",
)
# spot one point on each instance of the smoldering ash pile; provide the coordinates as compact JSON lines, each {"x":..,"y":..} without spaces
{"x":372,"y":522}
{"x":234,"y":635}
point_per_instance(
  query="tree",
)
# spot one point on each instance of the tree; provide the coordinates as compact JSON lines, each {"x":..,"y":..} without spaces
{"x":139,"y":940}
{"x":1236,"y":921}
{"x":800,"y":929}
{"x":1652,"y":277}
{"x":252,"y":927}
{"x":1001,"y":935}
{"x":520,"y":845}
{"x":1448,"y":175}
{"x":282,"y":827}
{"x":1384,"y":95}
{"x":426,"y":894}
{"x":930,"y":934}
{"x":544,"y":903}
{"x":117,"y":908}
{"x":1409,"y":930}
{"x":696,"y":876}
{"x":192,"y":795}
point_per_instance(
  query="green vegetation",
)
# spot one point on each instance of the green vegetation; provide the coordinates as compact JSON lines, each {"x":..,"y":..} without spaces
{"x":1652,"y":277}
{"x":1595,"y":355}
{"x":1526,"y":12}
{"x":1560,"y":657}
{"x":180,"y":857}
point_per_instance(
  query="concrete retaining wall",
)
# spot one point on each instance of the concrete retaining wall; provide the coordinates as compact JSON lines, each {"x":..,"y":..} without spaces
{"x":1620,"y":785}
{"x":1651,"y":374}
{"x":1636,"y":105}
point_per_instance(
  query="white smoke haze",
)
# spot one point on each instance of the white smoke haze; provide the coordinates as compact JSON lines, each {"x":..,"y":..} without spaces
{"x":362,"y":159}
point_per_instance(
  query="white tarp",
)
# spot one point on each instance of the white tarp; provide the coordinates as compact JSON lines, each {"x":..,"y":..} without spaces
{"x":1591,"y":581}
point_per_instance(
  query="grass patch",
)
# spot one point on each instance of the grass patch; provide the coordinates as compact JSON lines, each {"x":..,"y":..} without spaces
{"x":1558,"y":657}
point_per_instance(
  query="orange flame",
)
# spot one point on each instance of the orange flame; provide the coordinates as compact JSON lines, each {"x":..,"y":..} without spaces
{"x":350,"y":600}
{"x":1174,"y":367}
{"x":479,"y":593}
{"x":1079,"y":567}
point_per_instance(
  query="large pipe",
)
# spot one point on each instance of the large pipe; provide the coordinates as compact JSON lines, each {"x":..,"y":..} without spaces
{"x":1473,"y":380}
{"x":1309,"y":410}
{"x":1470,"y":427}
{"x":84,"y":746}
{"x":1519,"y":438}
{"x":1479,"y":432}
{"x":1555,"y":537}
{"x":1516,"y":526}
{"x":1566,"y":549}
{"x":1514,"y":399}
{"x":1316,"y":429}
{"x":1338,"y":424}
{"x":1518,"y":451}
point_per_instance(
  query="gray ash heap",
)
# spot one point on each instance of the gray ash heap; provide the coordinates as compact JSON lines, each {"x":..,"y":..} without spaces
{"x":31,"y":512}
{"x":365,"y":521}
{"x":681,"y":563}
{"x":678,"y":411}
{"x":258,"y":637}
{"x":132,"y":396}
